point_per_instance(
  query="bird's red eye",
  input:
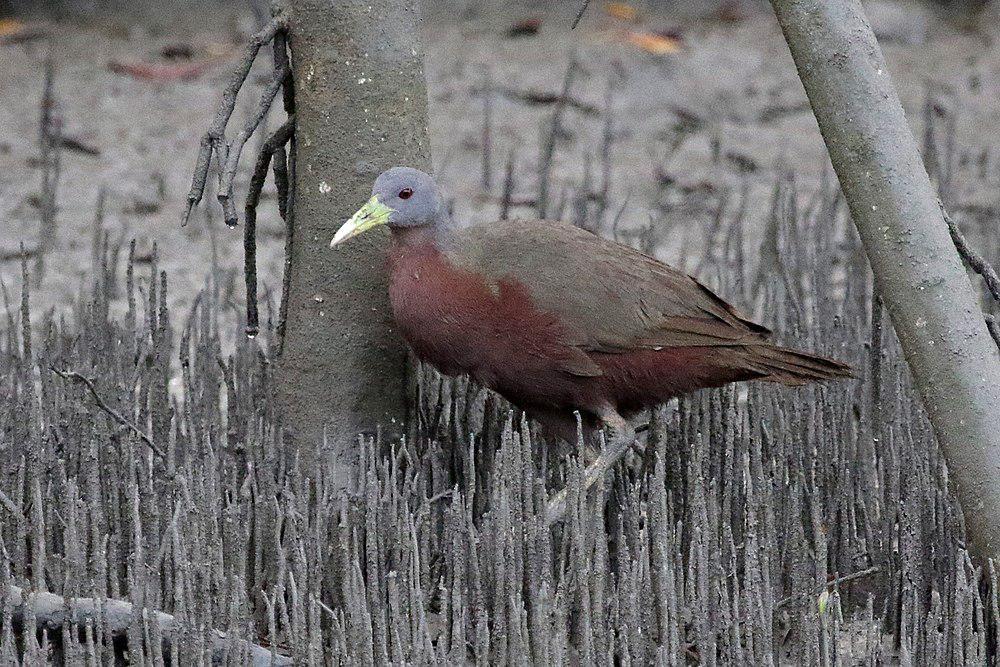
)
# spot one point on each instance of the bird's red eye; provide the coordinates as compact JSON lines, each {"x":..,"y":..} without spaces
{"x":405,"y":193}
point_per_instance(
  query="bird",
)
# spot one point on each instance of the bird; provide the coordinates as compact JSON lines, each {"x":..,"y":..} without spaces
{"x":559,"y":321}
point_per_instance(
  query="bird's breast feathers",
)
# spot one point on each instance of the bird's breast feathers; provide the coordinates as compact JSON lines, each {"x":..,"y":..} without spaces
{"x":462,"y":321}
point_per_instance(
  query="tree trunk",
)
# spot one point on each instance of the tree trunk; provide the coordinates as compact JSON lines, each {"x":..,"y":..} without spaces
{"x":361,"y":107}
{"x":918,"y":272}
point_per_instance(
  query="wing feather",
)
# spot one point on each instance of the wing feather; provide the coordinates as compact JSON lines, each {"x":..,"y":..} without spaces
{"x":609,"y":297}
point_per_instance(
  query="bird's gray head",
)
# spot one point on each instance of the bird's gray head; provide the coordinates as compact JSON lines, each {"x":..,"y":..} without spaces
{"x":402,"y":197}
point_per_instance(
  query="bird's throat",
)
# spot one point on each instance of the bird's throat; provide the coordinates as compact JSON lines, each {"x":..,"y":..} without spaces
{"x":436,"y":235}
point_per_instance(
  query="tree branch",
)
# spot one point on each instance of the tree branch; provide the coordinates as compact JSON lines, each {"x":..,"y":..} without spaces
{"x":919,"y":276}
{"x":280,"y":137}
{"x":837,"y":581}
{"x":235,"y":148}
{"x":979,"y":265}
{"x":76,"y":377}
{"x":213,"y":140}
{"x":53,"y":611}
{"x":579,"y":14}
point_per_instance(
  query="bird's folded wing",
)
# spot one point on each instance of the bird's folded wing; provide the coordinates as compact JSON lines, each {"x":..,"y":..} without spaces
{"x":608,"y":296}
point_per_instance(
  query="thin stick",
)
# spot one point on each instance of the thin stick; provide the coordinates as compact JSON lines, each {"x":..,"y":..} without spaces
{"x":212,"y":141}
{"x":279,"y":167}
{"x":508,"y":187}
{"x":784,"y":602}
{"x":579,"y":14}
{"x":875,"y":359}
{"x":279,"y":55}
{"x":16,"y":255}
{"x":545,"y":168}
{"x":607,"y":138}
{"x":267,"y":150}
{"x":235,"y":149}
{"x":487,"y":130}
{"x":50,"y":144}
{"x":993,"y":324}
{"x":286,"y":274}
{"x":974,"y":259}
{"x":980,"y":266}
{"x":76,"y":377}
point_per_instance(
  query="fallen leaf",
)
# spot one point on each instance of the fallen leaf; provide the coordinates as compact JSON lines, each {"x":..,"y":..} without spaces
{"x":621,"y":10}
{"x":160,"y":71}
{"x":177,"y":52}
{"x":77,"y":145}
{"x":13,"y":31}
{"x":10,"y":27}
{"x":524,"y":28}
{"x":654,"y":43}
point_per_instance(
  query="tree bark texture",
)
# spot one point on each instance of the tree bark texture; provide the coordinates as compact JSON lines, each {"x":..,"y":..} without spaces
{"x":361,"y":107}
{"x":917,"y":270}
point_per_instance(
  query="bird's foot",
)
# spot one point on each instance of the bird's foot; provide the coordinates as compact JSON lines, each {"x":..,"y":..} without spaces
{"x":618,"y":445}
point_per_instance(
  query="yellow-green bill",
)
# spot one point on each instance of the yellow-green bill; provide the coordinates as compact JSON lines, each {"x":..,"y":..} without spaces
{"x":372,"y":214}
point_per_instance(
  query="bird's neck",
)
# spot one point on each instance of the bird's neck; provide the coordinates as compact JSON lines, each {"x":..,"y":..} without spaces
{"x":437,"y":235}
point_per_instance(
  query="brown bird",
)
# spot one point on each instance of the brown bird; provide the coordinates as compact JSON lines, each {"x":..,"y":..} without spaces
{"x":558,"y":320}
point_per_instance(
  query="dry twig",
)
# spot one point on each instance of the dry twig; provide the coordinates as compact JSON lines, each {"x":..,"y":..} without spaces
{"x":73,"y":376}
{"x":579,"y":14}
{"x":213,"y":142}
{"x":978,"y":264}
{"x":235,"y":148}
{"x":836,"y":581}
{"x":277,"y":140}
{"x":50,"y":145}
{"x":545,"y":167}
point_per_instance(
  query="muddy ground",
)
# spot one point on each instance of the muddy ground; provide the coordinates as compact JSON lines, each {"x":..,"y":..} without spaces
{"x":721,"y":109}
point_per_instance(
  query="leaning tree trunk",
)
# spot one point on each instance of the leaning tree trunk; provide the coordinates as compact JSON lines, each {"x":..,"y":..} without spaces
{"x":361,"y":107}
{"x":918,"y":272}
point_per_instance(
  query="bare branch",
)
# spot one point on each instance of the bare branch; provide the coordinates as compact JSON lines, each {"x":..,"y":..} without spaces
{"x":235,"y":148}
{"x":53,"y":612}
{"x":579,"y":14}
{"x":50,"y":146}
{"x":980,"y":266}
{"x":837,"y":581}
{"x":76,"y":377}
{"x":280,"y":137}
{"x":971,"y":257}
{"x":993,"y":324}
{"x":555,"y":129}
{"x":213,"y":140}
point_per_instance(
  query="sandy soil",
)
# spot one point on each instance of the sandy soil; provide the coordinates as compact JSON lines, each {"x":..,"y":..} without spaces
{"x":725,"y":109}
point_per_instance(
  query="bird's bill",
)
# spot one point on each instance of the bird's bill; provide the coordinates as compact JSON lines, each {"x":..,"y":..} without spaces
{"x":372,"y":214}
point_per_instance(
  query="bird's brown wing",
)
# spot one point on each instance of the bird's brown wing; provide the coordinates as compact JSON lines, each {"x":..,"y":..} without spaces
{"x":608,"y":296}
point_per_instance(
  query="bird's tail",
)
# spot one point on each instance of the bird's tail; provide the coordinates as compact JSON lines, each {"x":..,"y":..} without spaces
{"x":793,"y":368}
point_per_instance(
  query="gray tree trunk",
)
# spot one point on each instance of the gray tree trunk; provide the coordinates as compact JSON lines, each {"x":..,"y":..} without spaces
{"x":918,"y":272}
{"x":361,"y":107}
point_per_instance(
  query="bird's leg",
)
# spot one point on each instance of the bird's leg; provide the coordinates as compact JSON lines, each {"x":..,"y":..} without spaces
{"x":618,"y":445}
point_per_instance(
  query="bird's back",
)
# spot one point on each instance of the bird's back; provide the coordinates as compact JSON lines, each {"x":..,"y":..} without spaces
{"x":612,"y":297}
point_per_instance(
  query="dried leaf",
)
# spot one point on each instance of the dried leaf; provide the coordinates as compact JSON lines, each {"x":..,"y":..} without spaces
{"x":621,"y":10}
{"x":655,"y":43}
{"x":13,"y":31}
{"x":10,"y":27}
{"x":161,"y":72}
{"x":524,"y":28}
